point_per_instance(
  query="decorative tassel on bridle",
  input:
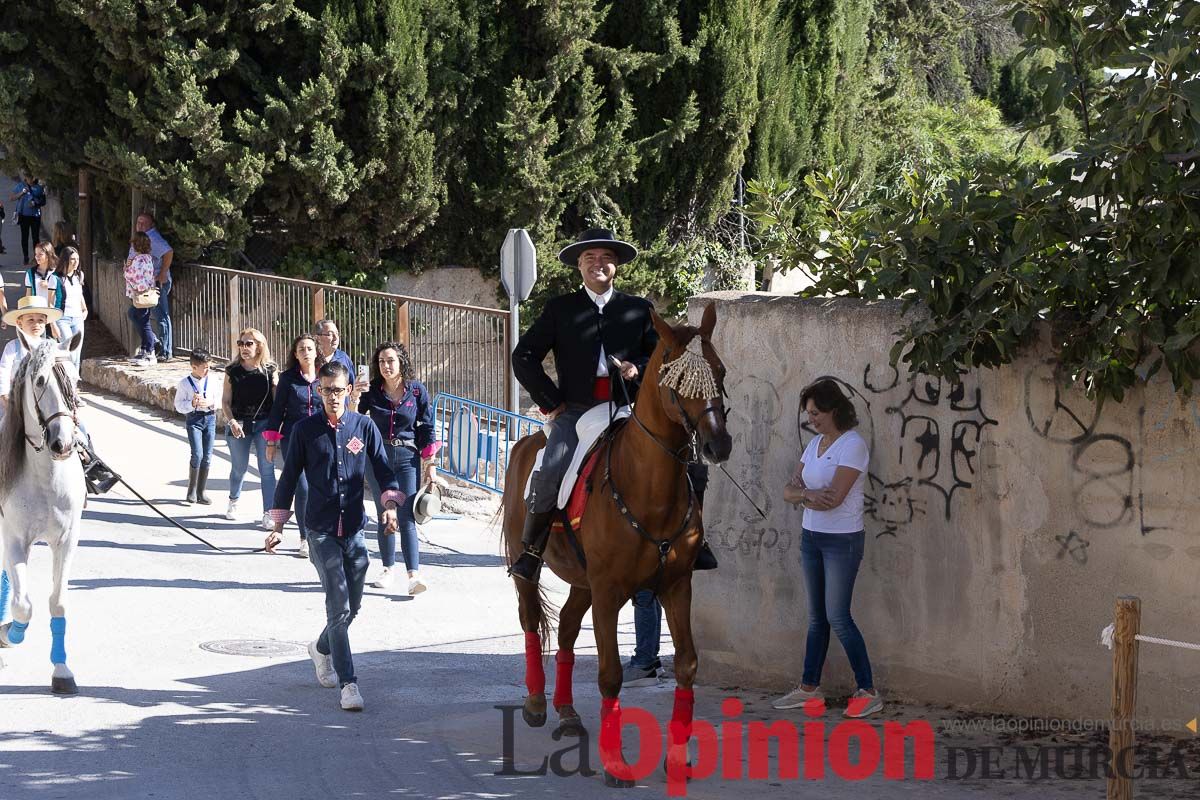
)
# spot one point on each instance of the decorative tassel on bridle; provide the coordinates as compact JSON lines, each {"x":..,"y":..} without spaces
{"x":690,"y":375}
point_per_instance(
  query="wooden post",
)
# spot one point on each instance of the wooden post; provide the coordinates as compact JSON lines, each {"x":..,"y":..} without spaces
{"x":402,"y":323}
{"x":1124,"y":696}
{"x":235,"y":315}
{"x":135,"y":207}
{"x":85,"y":223}
{"x":318,"y":305}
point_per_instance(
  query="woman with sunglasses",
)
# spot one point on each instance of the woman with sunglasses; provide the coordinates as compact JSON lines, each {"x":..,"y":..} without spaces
{"x":247,"y":401}
{"x":400,"y":406}
{"x":297,"y":397}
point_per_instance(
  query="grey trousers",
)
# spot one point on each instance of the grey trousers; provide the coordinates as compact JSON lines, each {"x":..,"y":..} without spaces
{"x":560,"y":446}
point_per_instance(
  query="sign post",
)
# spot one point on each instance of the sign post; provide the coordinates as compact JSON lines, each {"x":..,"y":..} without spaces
{"x":518,"y":273}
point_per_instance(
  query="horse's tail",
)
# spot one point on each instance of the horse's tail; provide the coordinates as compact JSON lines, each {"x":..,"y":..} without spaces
{"x":540,"y":600}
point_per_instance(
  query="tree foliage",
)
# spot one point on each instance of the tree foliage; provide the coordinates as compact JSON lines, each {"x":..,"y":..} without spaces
{"x":1100,"y":243}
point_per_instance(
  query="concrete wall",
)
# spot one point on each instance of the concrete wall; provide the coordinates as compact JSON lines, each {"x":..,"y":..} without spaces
{"x":1004,"y":519}
{"x":450,"y":285}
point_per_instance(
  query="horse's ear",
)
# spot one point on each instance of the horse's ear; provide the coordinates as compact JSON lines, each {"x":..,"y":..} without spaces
{"x":709,"y":321}
{"x":665,"y":332}
{"x":74,"y":342}
{"x":25,"y":341}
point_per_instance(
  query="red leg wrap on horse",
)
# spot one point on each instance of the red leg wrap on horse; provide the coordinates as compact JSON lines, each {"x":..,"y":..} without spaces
{"x":535,"y":674}
{"x":564,"y":662}
{"x":681,"y":715}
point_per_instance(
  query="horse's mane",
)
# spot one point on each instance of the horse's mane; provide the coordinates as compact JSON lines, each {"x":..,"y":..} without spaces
{"x":12,"y":431}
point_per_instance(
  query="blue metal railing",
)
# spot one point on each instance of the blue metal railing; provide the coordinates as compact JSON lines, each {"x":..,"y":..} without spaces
{"x":478,"y":439}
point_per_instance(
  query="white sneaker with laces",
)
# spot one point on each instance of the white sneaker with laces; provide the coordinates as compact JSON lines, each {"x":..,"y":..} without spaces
{"x":384,"y":579}
{"x":797,"y":697}
{"x":415,"y":584}
{"x":326,"y":676}
{"x":231,"y":512}
{"x":303,"y":549}
{"x":351,"y":698}
{"x":267,"y":523}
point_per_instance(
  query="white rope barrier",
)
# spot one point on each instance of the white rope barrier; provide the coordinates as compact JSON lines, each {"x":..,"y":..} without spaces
{"x":1106,"y":639}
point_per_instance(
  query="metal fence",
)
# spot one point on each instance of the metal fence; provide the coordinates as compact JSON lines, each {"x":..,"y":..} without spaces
{"x":456,"y":349}
{"x":478,"y":438}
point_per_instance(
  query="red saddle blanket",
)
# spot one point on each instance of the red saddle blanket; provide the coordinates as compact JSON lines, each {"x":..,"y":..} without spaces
{"x":579,"y":494}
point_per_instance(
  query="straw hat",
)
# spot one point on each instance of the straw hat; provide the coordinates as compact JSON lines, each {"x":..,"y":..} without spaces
{"x":33,"y":305}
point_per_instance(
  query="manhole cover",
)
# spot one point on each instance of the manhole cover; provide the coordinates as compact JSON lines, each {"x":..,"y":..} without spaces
{"x":264,"y":648}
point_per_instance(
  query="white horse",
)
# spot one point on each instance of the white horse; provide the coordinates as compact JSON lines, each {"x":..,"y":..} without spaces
{"x":41,"y":490}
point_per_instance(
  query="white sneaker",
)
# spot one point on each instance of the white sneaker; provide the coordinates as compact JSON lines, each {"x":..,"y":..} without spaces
{"x":231,"y":512}
{"x":384,"y":579}
{"x":303,"y":549}
{"x":351,"y":698}
{"x":862,"y":703}
{"x":326,"y":676}
{"x":267,"y":523}
{"x":415,"y":584}
{"x":138,"y":355}
{"x":797,"y":697}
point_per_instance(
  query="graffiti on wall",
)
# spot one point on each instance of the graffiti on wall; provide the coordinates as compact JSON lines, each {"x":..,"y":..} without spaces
{"x":1118,"y":480}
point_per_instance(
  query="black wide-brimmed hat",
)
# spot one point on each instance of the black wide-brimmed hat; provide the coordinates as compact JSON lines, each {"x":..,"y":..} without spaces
{"x":597,"y":237}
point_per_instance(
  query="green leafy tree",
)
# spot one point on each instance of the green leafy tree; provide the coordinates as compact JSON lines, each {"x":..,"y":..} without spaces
{"x":1100,"y":244}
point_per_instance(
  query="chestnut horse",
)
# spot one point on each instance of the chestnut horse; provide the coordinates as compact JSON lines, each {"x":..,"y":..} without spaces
{"x":641,"y":529}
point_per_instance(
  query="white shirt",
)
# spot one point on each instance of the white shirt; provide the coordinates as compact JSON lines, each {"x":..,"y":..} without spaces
{"x":209,"y":386}
{"x":848,"y":450}
{"x":600,"y":300}
{"x":74,"y":289}
{"x":12,"y":357}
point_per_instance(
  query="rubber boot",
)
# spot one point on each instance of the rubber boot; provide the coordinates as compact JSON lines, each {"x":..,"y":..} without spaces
{"x":191,"y":495}
{"x":533,"y":537}
{"x":201,"y":482}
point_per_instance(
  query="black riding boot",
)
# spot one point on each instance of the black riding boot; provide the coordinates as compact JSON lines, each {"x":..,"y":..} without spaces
{"x":191,"y":495}
{"x":537,"y":531}
{"x":705,"y":558}
{"x":201,"y":482}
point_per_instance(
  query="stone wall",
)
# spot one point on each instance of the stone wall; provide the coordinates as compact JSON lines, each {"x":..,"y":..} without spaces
{"x":1004,"y":517}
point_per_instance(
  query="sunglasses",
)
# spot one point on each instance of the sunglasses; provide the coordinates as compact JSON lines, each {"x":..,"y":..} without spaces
{"x":246,"y":343}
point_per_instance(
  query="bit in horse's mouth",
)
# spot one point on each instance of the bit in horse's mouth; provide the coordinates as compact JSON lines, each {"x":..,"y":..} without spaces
{"x":63,"y":457}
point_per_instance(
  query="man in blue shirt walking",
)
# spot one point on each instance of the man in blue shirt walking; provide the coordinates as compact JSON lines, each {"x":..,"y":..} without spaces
{"x":333,"y":450}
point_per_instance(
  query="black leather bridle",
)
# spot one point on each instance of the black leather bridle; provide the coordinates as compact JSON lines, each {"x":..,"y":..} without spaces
{"x":70,"y":399}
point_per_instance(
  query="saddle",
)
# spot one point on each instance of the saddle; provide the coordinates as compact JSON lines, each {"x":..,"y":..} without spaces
{"x":572,"y":492}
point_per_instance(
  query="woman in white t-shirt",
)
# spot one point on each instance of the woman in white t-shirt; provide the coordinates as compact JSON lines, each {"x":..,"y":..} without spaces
{"x":829,"y":484}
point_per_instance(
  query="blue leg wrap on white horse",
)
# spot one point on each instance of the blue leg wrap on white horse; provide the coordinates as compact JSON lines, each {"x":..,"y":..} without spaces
{"x":58,"y":640}
{"x":5,"y":591}
{"x":16,"y":634}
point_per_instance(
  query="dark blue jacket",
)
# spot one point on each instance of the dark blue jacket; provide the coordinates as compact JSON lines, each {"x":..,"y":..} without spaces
{"x":340,"y":355}
{"x":335,"y":463}
{"x":411,"y":418}
{"x":295,"y":399}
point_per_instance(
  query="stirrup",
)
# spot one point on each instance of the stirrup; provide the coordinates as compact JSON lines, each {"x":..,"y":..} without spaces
{"x":527,"y":566}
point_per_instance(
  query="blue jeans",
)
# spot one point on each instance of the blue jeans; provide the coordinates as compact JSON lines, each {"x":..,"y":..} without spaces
{"x":162,"y":315}
{"x":68,"y":327}
{"x":202,"y":434}
{"x":300,"y":500}
{"x":140,"y":317}
{"x":647,"y":629}
{"x":406,"y":463}
{"x":239,"y":459}
{"x":342,"y":567}
{"x":830,"y":562}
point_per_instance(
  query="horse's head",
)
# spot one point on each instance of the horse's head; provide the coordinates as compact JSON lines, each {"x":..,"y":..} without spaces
{"x":691,"y":383}
{"x":47,"y":380}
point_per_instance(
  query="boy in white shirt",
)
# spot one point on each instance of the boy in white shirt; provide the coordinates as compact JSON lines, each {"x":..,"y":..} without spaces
{"x":197,"y":397}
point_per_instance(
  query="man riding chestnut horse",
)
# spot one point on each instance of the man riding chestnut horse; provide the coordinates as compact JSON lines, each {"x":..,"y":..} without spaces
{"x":584,"y":330}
